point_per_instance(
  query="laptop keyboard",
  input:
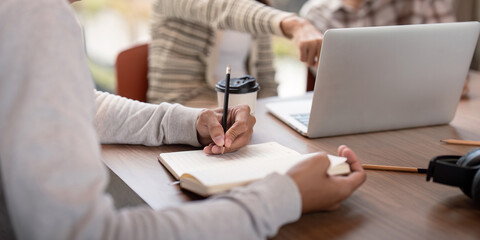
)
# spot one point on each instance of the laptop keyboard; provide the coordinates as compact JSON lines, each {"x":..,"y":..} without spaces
{"x":302,"y":118}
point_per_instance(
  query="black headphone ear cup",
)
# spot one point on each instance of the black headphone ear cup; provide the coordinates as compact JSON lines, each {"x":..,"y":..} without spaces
{"x":461,"y":160}
{"x":471,"y":159}
{"x":476,"y":187}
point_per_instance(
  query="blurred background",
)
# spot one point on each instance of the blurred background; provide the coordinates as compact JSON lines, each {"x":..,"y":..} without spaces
{"x":111,"y":26}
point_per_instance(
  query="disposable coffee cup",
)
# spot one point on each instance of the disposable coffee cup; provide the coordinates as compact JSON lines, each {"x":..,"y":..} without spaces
{"x":243,"y":90}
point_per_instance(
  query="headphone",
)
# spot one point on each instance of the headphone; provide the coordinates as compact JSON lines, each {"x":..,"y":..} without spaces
{"x":459,"y":171}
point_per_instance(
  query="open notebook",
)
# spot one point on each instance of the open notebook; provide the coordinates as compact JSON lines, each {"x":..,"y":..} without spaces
{"x":210,"y":174}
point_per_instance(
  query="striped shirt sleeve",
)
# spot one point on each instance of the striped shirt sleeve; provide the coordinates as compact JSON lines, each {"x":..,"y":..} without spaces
{"x":241,"y":15}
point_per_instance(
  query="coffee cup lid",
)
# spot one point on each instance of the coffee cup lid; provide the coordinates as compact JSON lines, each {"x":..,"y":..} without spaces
{"x":245,"y":84}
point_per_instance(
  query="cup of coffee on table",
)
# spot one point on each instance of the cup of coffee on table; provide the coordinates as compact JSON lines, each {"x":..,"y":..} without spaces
{"x":243,"y":90}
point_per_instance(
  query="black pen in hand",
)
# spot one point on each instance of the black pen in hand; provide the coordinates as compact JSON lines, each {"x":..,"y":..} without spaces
{"x":225,"y":99}
{"x":225,"y":102}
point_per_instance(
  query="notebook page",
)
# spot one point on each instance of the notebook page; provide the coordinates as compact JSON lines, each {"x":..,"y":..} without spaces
{"x":248,"y":171}
{"x":193,"y":161}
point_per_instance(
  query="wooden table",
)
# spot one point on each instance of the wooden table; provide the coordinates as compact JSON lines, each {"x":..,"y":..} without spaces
{"x":389,"y":205}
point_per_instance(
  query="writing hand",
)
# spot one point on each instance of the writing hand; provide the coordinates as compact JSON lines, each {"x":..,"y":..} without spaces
{"x":210,"y":132}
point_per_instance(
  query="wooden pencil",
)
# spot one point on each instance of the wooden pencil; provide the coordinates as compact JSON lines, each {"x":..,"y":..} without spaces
{"x":461,"y":142}
{"x":394,"y":168}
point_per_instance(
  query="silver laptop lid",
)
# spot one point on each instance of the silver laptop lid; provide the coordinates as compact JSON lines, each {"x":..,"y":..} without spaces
{"x":384,"y":78}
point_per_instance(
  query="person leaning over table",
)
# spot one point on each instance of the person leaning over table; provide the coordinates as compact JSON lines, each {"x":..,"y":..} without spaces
{"x":193,"y":41}
{"x":328,"y":14}
{"x":52,"y":123}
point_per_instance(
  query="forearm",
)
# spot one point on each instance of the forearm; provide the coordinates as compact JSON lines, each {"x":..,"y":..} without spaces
{"x":241,"y":15}
{"x":121,"y":120}
{"x":253,"y":212}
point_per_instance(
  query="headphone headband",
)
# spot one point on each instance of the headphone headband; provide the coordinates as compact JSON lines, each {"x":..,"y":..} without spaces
{"x":443,"y":169}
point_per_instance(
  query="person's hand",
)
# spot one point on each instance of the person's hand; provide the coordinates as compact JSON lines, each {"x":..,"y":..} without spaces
{"x":210,"y":132}
{"x":320,"y":191}
{"x":305,"y":36}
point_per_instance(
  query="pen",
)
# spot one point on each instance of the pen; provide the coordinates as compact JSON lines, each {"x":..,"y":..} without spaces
{"x":461,"y":142}
{"x":394,"y":168}
{"x":225,"y":99}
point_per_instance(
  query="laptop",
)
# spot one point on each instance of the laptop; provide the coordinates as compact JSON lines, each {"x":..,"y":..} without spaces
{"x":384,"y":78}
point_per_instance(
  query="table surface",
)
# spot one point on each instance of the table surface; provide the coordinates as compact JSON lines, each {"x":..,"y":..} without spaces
{"x":389,"y":205}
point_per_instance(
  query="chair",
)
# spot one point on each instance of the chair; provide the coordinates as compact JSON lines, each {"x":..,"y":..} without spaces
{"x":131,"y":68}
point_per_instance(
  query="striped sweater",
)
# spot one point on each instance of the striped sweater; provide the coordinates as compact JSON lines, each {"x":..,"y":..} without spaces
{"x":327,"y":14}
{"x":185,"y":39}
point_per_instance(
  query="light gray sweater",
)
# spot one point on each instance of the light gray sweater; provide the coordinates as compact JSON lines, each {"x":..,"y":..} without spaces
{"x":51,"y":125}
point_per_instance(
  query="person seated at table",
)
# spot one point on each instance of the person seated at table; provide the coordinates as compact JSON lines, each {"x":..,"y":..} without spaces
{"x":193,"y":41}
{"x":327,"y":14}
{"x":52,"y":123}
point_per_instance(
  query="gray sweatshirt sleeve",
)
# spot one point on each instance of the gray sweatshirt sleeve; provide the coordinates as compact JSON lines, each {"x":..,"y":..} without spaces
{"x":122,"y":120}
{"x":52,"y":174}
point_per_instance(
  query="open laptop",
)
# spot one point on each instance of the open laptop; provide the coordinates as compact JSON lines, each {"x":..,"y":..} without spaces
{"x":384,"y":78}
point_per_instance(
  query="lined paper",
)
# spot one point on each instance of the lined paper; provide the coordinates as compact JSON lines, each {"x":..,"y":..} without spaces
{"x":194,"y":161}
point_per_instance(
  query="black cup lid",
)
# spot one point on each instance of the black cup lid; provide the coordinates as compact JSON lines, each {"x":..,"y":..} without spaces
{"x":245,"y":84}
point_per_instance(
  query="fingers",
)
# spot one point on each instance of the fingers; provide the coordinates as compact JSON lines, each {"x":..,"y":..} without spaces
{"x":313,"y":52}
{"x":240,"y":124}
{"x":215,"y":128}
{"x":309,"y":41}
{"x":239,"y":134}
{"x":310,"y":50}
{"x":317,"y":53}
{"x":303,"y":52}
{"x":357,"y":177}
{"x":213,"y":149}
{"x":311,"y":56}
{"x":352,"y":158}
{"x":321,"y":191}
{"x":209,"y":128}
{"x":208,"y":149}
{"x":340,"y":150}
{"x":307,"y":38}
